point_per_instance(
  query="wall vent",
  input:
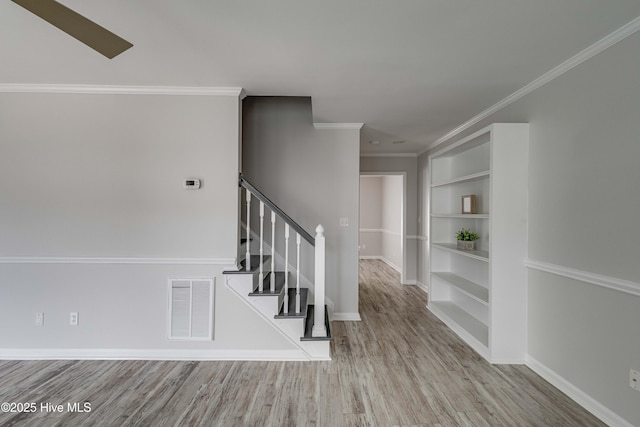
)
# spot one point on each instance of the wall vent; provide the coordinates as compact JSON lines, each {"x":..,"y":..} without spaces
{"x":191,"y":309}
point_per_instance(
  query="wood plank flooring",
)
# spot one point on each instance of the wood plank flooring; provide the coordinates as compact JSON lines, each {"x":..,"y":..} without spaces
{"x":399,"y":366}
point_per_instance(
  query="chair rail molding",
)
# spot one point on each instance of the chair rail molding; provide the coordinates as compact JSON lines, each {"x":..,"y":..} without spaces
{"x":609,"y":282}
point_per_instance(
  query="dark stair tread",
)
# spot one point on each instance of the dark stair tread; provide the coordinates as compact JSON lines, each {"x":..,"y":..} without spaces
{"x":266,"y":285}
{"x":304,"y":299}
{"x":244,"y":240}
{"x":308,"y":325}
{"x":255,"y":265}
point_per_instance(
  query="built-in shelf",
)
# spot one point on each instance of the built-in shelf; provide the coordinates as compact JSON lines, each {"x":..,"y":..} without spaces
{"x":452,"y":247}
{"x":466,"y":216}
{"x":472,"y":289}
{"x":482,"y":293}
{"x":461,"y":179}
{"x":454,"y":315}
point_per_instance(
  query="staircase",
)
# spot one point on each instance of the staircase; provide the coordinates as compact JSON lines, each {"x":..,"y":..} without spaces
{"x":299,"y":313}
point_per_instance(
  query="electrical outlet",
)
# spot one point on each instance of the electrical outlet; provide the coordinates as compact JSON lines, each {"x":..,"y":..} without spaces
{"x":39,"y":319}
{"x":634,"y":380}
{"x":73,"y":318}
{"x":344,"y":222}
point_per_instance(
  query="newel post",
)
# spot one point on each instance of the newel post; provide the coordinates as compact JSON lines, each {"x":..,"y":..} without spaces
{"x":319,"y":329}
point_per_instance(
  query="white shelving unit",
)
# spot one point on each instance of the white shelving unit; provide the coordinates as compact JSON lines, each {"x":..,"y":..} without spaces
{"x":481,"y":294}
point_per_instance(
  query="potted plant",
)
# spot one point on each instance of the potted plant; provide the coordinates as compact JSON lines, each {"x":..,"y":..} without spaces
{"x":467,"y":239}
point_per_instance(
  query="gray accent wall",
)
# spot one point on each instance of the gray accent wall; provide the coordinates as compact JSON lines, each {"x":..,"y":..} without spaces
{"x":94,"y":219}
{"x":584,"y":207}
{"x":311,"y":174}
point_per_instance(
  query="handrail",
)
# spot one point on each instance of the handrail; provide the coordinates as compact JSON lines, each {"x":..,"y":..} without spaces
{"x":297,"y":227}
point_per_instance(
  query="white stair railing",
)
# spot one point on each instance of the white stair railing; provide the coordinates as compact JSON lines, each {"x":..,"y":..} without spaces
{"x":286,"y":268}
{"x":261,"y":277}
{"x":298,"y":268}
{"x":317,"y":242}
{"x":272,"y":280}
{"x":247,"y":258}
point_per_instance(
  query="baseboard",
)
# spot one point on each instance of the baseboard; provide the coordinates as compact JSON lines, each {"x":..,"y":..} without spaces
{"x":605,"y":414}
{"x":346,"y":317}
{"x":507,"y":361}
{"x":422,"y":286}
{"x":151,"y":354}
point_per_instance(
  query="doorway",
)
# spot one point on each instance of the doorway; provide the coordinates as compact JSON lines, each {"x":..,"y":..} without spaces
{"x":383,"y":219}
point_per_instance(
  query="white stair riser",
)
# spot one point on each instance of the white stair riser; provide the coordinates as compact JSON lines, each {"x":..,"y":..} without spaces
{"x":294,"y":327}
{"x":267,"y":305}
{"x":241,"y":283}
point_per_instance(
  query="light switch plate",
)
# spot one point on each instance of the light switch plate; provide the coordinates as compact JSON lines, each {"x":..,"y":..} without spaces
{"x":634,"y":379}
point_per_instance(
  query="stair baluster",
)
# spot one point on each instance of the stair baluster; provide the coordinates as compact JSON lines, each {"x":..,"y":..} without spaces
{"x":261,"y":277}
{"x":286,"y":268}
{"x":248,"y":253}
{"x":272,"y":288}
{"x":298,"y":273}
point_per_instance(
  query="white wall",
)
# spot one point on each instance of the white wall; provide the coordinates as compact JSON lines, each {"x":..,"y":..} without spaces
{"x":408,"y":166}
{"x":94,"y":219}
{"x":312,"y":174}
{"x":392,"y":212}
{"x":583,"y":215}
{"x":370,"y":216}
{"x":381,"y":216}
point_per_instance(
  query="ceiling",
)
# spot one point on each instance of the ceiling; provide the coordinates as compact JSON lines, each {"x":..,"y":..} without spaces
{"x":411,"y":70}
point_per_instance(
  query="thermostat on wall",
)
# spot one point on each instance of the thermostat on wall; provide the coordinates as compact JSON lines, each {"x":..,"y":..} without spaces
{"x":192,"y":184}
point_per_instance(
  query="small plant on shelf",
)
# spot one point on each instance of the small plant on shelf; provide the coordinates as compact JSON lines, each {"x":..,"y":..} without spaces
{"x":467,"y":239}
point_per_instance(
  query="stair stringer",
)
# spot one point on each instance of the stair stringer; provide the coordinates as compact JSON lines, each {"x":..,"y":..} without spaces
{"x":267,"y":307}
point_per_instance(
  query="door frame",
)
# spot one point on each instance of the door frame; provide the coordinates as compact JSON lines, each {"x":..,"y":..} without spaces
{"x":403,"y":218}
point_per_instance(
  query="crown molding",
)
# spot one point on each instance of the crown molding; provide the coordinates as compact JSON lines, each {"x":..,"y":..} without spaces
{"x":599,"y":46}
{"x":121,"y":90}
{"x":388,"y":155}
{"x":356,"y":126}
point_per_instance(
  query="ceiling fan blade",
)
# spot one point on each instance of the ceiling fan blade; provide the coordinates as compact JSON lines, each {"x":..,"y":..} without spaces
{"x":77,"y":26}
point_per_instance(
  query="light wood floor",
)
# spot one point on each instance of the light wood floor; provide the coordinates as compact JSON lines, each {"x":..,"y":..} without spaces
{"x":399,"y":366}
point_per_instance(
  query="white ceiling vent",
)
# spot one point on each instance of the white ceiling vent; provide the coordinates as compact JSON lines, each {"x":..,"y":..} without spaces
{"x":191,"y":309}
